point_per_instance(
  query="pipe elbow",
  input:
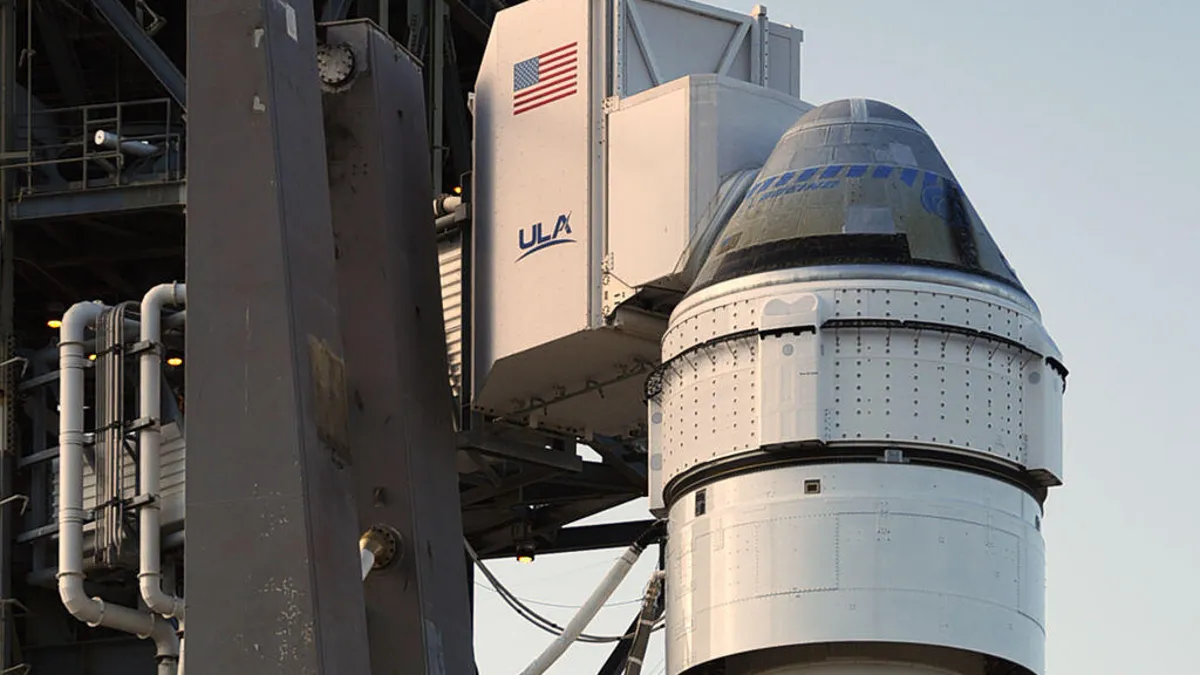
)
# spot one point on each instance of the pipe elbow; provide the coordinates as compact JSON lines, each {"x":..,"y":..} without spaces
{"x":157,"y":600}
{"x":76,"y":320}
{"x":76,"y":601}
{"x":162,"y":295}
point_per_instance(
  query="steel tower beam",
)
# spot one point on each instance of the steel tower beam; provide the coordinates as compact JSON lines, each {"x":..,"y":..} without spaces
{"x":402,"y":430}
{"x":146,"y":48}
{"x":336,"y":10}
{"x":273,"y":576}
{"x":9,"y":398}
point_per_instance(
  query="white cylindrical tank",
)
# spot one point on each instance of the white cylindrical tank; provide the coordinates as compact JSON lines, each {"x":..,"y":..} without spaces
{"x":855,"y":424}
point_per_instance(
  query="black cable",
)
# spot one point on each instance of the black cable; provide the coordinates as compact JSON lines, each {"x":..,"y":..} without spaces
{"x":532,"y":616}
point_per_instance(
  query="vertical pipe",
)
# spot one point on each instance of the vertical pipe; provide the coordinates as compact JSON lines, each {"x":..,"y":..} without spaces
{"x":437,"y":82}
{"x":92,"y":611}
{"x":120,"y":160}
{"x":150,"y":445}
{"x":8,"y":49}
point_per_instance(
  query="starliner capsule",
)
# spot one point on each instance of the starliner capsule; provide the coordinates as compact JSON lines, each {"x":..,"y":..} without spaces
{"x":856,"y":422}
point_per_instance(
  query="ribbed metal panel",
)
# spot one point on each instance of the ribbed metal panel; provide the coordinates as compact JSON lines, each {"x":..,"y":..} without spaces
{"x":173,"y":455}
{"x":450,"y":262}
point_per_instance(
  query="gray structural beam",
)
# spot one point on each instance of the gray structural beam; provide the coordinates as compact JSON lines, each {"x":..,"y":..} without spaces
{"x":9,"y":398}
{"x":594,"y":537}
{"x":273,"y":581}
{"x":123,"y":199}
{"x":147,"y":49}
{"x":527,"y":453}
{"x":336,"y":10}
{"x":401,"y":424}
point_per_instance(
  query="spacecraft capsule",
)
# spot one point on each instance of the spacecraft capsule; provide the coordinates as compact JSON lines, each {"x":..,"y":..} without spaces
{"x":856,"y":422}
{"x":856,"y":182}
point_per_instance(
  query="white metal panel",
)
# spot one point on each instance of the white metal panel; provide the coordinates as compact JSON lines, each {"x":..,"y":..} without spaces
{"x":882,"y":553}
{"x":174,"y":455}
{"x":902,"y":386}
{"x":684,"y":38}
{"x":669,"y":150}
{"x":923,"y":300}
{"x":1042,"y":391}
{"x":783,"y":59}
{"x":709,"y":406}
{"x":661,"y":40}
{"x":450,"y":264}
{"x":649,"y":181}
{"x":708,"y":322}
{"x":789,"y":389}
{"x":533,"y":256}
{"x":930,"y":304}
{"x":588,"y":382}
{"x":174,"y":463}
{"x":654,"y":459}
{"x":927,"y":387}
{"x":751,"y":120}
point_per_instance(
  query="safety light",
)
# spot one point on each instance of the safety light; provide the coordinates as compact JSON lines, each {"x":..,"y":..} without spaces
{"x":525,"y":551}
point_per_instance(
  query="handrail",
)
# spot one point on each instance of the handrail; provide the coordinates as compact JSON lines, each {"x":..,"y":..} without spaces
{"x":75,"y":162}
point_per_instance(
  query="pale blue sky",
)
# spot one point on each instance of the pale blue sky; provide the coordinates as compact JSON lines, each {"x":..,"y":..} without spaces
{"x":1075,"y":129}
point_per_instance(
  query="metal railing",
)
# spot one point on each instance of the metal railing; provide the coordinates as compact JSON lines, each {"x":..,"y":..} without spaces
{"x":97,"y":146}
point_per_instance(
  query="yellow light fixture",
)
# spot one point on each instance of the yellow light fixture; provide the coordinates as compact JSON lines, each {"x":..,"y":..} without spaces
{"x":91,"y":357}
{"x":54,"y":323}
{"x":458,"y":189}
{"x":174,"y":362}
{"x":525,"y":551}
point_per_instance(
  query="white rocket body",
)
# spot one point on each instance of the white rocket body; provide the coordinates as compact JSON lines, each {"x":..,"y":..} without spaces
{"x":856,"y":420}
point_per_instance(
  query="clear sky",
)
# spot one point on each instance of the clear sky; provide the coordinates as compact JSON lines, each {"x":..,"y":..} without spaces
{"x":1075,"y":129}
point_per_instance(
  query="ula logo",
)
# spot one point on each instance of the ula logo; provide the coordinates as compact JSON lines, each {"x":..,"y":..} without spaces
{"x":535,"y":237}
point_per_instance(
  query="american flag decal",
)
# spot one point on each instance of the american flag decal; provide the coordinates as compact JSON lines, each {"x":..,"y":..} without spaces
{"x":546,"y":78}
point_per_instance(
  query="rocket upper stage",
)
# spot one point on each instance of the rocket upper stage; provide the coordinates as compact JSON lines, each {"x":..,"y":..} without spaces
{"x":856,"y":423}
{"x":855,"y":182}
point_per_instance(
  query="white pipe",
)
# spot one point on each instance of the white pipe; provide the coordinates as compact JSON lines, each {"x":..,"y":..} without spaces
{"x":445,"y":205}
{"x":586,"y":613}
{"x":111,"y":141}
{"x":150,"y":450}
{"x":92,"y":611}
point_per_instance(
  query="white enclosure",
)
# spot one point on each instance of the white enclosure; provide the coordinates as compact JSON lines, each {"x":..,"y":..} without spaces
{"x":601,"y":141}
